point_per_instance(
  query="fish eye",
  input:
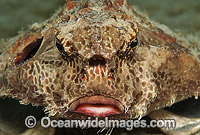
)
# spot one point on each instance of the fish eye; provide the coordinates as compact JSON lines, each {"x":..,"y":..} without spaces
{"x":134,"y":43}
{"x":133,"y":46}
{"x":60,"y":48}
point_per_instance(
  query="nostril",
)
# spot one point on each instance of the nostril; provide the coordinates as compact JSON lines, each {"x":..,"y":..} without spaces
{"x":97,"y":60}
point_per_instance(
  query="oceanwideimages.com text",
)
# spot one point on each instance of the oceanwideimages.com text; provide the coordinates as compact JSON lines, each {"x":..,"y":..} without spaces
{"x":46,"y":122}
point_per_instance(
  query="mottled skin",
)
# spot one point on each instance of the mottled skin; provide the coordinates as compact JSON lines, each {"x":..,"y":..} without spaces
{"x":84,"y":50}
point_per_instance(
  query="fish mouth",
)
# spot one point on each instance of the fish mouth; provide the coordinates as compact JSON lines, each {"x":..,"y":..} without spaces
{"x":97,"y":106}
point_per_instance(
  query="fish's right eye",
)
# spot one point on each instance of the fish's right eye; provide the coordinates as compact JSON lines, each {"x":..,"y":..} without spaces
{"x":60,"y":48}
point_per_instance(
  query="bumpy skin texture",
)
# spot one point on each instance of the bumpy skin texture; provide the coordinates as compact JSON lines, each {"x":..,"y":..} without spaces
{"x":84,"y":50}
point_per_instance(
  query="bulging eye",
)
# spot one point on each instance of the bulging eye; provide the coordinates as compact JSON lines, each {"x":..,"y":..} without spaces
{"x":134,"y":44}
{"x":60,"y":48}
{"x":131,"y":47}
{"x":66,"y":50}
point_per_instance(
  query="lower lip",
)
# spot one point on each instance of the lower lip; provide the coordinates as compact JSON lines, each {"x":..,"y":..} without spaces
{"x":97,"y":110}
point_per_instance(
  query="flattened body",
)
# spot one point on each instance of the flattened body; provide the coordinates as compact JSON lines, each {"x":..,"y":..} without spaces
{"x":99,"y":49}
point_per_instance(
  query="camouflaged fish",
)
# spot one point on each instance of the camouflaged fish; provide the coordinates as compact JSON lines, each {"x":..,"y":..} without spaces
{"x":99,"y":58}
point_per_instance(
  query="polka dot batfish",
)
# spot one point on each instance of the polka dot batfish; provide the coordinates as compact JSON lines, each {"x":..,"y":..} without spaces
{"x":99,"y":58}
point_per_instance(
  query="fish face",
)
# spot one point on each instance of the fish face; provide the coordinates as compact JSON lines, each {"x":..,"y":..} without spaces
{"x":98,"y":58}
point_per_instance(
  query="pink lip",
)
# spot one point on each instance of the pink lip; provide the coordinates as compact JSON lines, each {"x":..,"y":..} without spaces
{"x":97,"y":106}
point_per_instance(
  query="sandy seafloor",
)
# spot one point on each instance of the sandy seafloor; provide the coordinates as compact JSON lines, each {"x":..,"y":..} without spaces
{"x":179,"y":15}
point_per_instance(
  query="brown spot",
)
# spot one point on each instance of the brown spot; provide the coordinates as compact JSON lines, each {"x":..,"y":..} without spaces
{"x":147,"y":75}
{"x":68,"y":88}
{"x":158,"y":84}
{"x":118,"y":80}
{"x":145,"y":90}
{"x":60,"y":64}
{"x":64,"y":71}
{"x":144,"y":84}
{"x":76,"y":80}
{"x":56,"y":62}
{"x":48,"y":90}
{"x":162,"y":74}
{"x":137,"y":80}
{"x":30,"y":78}
{"x":139,"y":95}
{"x":132,"y":72}
{"x":134,"y":93}
{"x":46,"y":74}
{"x":42,"y":67}
{"x":68,"y":76}
{"x":62,"y":85}
{"x":57,"y":98}
{"x":52,"y":87}
{"x":159,"y":73}
{"x":128,"y":77}
{"x":120,"y":70}
{"x":50,"y":80}
{"x":37,"y":66}
{"x":125,"y":88}
{"x":35,"y":79}
{"x":150,"y":95}
{"x":134,"y":61}
{"x":73,"y":77}
{"x":42,"y":74}
{"x":51,"y":62}
{"x":108,"y":3}
{"x":46,"y":81}
{"x":151,"y":87}
{"x":70,"y":63}
{"x":70,"y":5}
{"x":46,"y":62}
{"x":57,"y":75}
{"x":121,"y":63}
{"x":77,"y":68}
{"x":140,"y":69}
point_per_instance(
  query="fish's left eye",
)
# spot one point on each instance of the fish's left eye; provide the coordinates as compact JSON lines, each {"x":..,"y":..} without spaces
{"x":134,"y":44}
